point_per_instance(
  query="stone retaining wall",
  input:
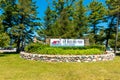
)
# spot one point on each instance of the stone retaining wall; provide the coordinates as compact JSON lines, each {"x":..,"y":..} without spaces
{"x":68,"y":58}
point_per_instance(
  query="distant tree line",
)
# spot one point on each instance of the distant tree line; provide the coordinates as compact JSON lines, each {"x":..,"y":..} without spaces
{"x":63,"y":19}
{"x":72,"y":19}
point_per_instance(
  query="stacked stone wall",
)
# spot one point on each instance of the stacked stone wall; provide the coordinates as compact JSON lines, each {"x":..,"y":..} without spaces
{"x":67,"y":58}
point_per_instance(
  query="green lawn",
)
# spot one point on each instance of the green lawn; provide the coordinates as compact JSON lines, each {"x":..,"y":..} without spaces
{"x":12,"y":67}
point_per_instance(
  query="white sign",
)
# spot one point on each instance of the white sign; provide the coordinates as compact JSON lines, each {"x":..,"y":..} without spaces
{"x":66,"y":42}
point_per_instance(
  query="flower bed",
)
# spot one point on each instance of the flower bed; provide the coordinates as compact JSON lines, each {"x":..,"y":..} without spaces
{"x":68,"y":58}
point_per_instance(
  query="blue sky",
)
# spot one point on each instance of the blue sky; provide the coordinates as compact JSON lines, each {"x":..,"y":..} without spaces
{"x":42,"y":5}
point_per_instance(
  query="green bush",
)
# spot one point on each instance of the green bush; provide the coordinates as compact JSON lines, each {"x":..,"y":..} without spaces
{"x":68,"y":52}
{"x":34,"y":47}
{"x":4,"y":40}
{"x":46,"y":49}
{"x":100,"y":47}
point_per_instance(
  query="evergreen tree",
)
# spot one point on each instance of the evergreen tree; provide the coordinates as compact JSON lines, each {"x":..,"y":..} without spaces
{"x":64,"y":25}
{"x":4,"y":37}
{"x":114,"y":10}
{"x":48,"y":21}
{"x":80,"y":19}
{"x":112,"y":41}
{"x":96,"y":16}
{"x":7,"y":7}
{"x":110,"y":29}
{"x":58,"y":19}
{"x":21,"y":21}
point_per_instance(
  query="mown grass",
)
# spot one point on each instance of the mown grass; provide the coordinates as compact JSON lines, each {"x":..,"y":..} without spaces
{"x":12,"y":67}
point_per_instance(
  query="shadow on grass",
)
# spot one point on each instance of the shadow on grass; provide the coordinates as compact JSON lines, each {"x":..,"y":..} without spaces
{"x":118,"y":54}
{"x":7,"y":54}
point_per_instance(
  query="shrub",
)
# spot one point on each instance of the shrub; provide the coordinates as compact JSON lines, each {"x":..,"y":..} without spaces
{"x":4,"y":40}
{"x":100,"y":47}
{"x":46,"y":49}
{"x":35,"y":47}
{"x":68,"y":52}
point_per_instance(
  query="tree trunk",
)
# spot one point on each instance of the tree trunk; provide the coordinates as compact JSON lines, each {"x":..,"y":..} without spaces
{"x":116,"y":37}
{"x":18,"y":46}
{"x":109,"y":32}
{"x":95,"y":36}
{"x":107,"y":42}
{"x":108,"y":37}
{"x":23,"y":44}
{"x":10,"y":41}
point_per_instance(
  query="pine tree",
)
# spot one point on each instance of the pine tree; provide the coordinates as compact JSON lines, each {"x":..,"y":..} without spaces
{"x":80,"y":19}
{"x":7,"y":7}
{"x":48,"y":21}
{"x":4,"y":37}
{"x":96,"y":16}
{"x":58,"y":19}
{"x":110,"y":29}
{"x":114,"y":10}
{"x":21,"y":22}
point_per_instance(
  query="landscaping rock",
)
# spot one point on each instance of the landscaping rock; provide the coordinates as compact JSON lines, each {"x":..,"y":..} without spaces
{"x":67,"y":58}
